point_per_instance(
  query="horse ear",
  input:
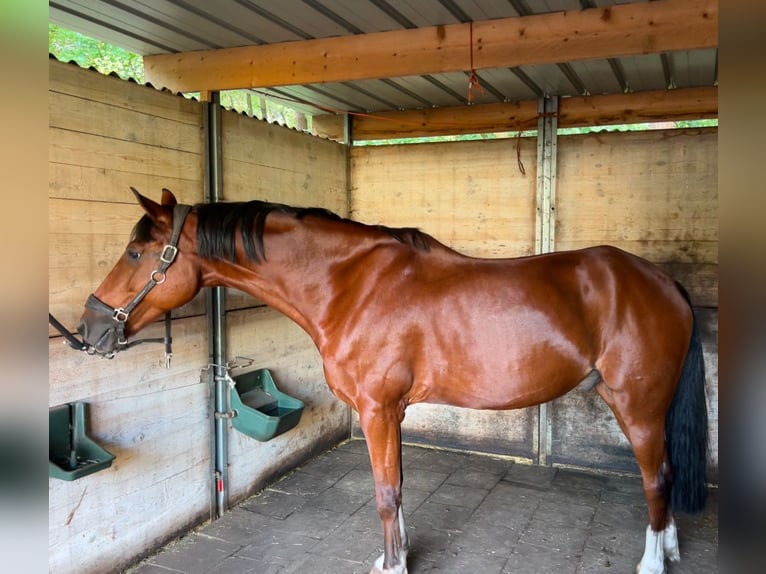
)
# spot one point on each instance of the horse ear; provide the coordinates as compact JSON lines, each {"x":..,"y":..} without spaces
{"x":168,"y":198}
{"x":157,"y":212}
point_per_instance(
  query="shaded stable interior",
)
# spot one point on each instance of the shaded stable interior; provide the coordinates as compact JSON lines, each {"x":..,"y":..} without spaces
{"x":653,"y":193}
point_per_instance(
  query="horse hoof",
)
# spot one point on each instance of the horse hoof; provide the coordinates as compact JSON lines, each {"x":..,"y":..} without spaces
{"x":640,"y":569}
{"x":400,"y":568}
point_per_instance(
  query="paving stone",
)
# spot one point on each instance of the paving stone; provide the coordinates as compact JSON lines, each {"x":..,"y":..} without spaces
{"x":278,"y":547}
{"x":237,"y":565}
{"x":424,"y":479}
{"x":480,"y":536}
{"x":600,"y":561}
{"x":464,"y":496}
{"x":412,"y":498}
{"x":194,"y":554}
{"x":317,"y":564}
{"x":617,"y":540}
{"x":537,"y":476}
{"x":560,"y":538}
{"x":304,"y":483}
{"x":569,"y":514}
{"x":275,"y":504}
{"x":460,"y":562}
{"x":579,"y":480}
{"x":149,"y":568}
{"x":333,"y":465}
{"x":474,"y":478}
{"x":531,"y":559}
{"x":240,"y":526}
{"x":354,"y":540}
{"x":440,"y":460}
{"x":314,"y":522}
{"x":342,"y":500}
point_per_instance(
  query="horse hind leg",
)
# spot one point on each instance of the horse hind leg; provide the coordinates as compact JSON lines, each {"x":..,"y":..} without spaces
{"x":647,"y":439}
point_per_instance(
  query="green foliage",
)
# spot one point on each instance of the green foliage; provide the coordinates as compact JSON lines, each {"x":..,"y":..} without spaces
{"x":67,"y":45}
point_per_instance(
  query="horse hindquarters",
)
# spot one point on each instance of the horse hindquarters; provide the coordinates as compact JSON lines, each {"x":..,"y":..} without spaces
{"x":664,"y":416}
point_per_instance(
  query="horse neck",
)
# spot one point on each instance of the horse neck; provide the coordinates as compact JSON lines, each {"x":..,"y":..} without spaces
{"x":296,"y":277}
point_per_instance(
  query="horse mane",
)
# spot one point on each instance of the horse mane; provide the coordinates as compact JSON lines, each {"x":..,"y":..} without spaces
{"x":217,"y":225}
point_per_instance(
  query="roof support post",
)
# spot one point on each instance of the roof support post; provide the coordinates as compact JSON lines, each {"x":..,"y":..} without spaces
{"x":348,"y":141}
{"x":545,"y":228}
{"x":216,"y":309}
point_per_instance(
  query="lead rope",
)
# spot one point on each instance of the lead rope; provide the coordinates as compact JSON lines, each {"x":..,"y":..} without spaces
{"x":71,"y":340}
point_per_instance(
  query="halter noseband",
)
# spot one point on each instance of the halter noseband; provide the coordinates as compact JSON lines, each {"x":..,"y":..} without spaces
{"x":120,"y":314}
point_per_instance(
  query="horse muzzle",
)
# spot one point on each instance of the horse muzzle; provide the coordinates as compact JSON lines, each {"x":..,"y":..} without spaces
{"x":99,"y":328}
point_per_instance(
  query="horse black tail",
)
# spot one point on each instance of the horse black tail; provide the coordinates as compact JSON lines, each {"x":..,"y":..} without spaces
{"x":686,"y":430}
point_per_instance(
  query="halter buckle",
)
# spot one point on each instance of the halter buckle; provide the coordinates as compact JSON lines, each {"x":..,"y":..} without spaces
{"x":169,"y":253}
{"x":120,"y":315}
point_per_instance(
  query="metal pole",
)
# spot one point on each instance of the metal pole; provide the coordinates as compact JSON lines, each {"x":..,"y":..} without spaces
{"x":547,"y":128}
{"x":216,"y":309}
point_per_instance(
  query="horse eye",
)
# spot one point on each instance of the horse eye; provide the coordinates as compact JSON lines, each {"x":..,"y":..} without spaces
{"x":135,"y":255}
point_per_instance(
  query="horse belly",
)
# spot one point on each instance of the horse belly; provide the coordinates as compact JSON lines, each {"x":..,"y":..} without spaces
{"x":490,"y":371}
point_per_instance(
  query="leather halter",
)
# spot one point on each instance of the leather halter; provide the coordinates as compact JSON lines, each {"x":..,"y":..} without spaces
{"x":120,"y":314}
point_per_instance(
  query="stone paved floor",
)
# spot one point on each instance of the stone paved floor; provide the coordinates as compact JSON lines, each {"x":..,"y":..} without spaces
{"x":464,"y":513}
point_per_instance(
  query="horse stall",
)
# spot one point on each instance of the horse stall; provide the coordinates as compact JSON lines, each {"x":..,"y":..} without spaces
{"x":652,"y":193}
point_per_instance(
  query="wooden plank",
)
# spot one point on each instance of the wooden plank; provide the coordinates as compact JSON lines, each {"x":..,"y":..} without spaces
{"x":652,"y":193}
{"x":638,"y":107}
{"x":622,"y":30}
{"x":82,"y":149}
{"x":272,"y":163}
{"x":699,"y":279}
{"x":91,"y":85}
{"x":68,"y":181}
{"x":509,"y":433}
{"x":469,"y":195}
{"x":77,"y":114}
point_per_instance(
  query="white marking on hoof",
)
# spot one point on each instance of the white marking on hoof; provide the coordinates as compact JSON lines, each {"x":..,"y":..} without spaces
{"x":653,"y":561}
{"x":670,"y":541}
{"x":403,"y":532}
{"x":400,"y":568}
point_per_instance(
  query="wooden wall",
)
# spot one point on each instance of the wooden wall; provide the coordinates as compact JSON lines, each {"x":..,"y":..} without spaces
{"x":105,"y":136}
{"x":652,"y":193}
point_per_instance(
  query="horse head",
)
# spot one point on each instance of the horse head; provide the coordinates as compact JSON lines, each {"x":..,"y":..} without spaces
{"x":157,"y":272}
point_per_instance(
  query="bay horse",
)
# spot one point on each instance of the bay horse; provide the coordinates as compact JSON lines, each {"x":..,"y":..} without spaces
{"x":400,"y":318}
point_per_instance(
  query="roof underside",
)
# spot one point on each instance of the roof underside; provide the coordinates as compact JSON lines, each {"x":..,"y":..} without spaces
{"x":150,"y":27}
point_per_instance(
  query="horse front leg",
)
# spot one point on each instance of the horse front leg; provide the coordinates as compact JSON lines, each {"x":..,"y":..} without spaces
{"x":382,"y":431}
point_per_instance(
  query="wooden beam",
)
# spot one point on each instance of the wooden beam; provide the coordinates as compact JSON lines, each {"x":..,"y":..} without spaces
{"x":620,"y":30}
{"x":653,"y":106}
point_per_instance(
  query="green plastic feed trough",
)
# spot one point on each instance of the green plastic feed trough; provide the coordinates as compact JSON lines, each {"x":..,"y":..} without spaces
{"x":71,"y":453}
{"x":261,"y":410}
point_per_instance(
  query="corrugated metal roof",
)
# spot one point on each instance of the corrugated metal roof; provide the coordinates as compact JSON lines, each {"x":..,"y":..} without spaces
{"x":168,"y":26}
